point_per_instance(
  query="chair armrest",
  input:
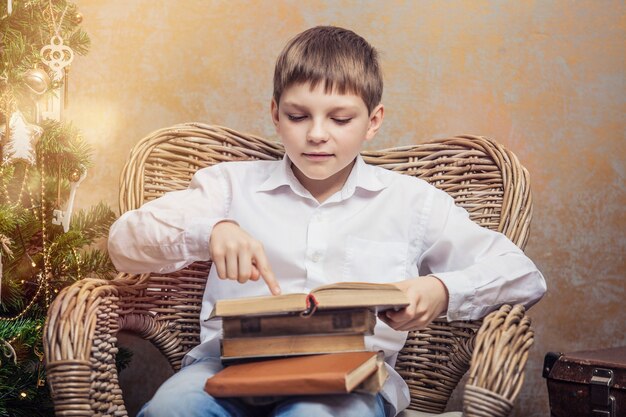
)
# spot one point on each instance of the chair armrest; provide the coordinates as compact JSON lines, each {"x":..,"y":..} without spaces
{"x":497,"y":370}
{"x":80,"y":346}
{"x":434,"y":360}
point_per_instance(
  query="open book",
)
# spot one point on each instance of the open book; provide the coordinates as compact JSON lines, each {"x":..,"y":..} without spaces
{"x":340,"y":295}
{"x":335,"y":373}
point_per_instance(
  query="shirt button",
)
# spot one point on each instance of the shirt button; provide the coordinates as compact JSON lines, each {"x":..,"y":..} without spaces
{"x":316,"y":257}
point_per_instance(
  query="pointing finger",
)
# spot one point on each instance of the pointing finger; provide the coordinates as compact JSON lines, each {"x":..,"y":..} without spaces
{"x":267,"y":274}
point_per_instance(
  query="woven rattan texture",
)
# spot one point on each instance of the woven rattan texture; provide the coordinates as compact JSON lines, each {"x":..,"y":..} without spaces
{"x":82,"y":325}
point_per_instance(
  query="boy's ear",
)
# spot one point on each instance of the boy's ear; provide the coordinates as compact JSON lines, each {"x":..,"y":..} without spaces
{"x":376,"y":120}
{"x":274,"y":111}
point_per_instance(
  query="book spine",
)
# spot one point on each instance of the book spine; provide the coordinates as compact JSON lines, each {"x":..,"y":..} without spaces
{"x":284,"y":345}
{"x":361,"y":321}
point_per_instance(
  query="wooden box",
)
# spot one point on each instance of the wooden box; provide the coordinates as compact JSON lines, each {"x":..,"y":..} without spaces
{"x":587,"y":383}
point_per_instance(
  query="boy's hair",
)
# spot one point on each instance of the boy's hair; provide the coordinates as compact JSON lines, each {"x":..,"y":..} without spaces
{"x":341,"y":59}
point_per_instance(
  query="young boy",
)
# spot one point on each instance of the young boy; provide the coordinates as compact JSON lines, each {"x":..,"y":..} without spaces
{"x":320,"y":215}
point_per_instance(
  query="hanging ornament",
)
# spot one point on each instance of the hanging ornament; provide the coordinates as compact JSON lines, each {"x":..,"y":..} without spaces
{"x":60,"y":217}
{"x":75,"y":175}
{"x":9,"y":7}
{"x":37,"y":80}
{"x":56,"y":55}
{"x":21,"y":141}
{"x":78,"y":18}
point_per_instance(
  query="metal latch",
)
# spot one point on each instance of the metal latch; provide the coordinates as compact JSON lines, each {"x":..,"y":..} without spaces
{"x":602,"y":402}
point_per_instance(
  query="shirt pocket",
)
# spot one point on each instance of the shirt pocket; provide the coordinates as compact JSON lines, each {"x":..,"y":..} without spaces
{"x":374,"y":261}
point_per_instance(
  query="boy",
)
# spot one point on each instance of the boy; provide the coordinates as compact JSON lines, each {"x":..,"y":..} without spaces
{"x":320,"y":215}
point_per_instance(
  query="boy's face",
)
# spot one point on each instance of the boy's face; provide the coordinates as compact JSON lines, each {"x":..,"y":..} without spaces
{"x":322,"y":134}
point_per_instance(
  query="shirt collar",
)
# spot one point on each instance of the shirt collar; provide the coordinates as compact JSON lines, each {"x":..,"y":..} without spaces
{"x":362,"y":176}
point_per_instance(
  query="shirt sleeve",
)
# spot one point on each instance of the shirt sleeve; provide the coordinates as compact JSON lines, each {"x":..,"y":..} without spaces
{"x":481,"y":269}
{"x":173,"y":231}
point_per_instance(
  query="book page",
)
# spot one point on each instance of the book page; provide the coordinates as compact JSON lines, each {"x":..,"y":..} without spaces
{"x":285,"y":303}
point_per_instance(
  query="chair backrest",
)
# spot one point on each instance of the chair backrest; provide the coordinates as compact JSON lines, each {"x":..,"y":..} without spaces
{"x":483,"y":177}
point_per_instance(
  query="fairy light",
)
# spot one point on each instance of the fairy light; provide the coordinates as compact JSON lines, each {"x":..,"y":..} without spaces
{"x":44,"y":250}
{"x":23,"y":185}
{"x":77,"y":258}
{"x":42,"y":277}
{"x":5,"y":190}
{"x":29,"y":305}
{"x":30,"y":196}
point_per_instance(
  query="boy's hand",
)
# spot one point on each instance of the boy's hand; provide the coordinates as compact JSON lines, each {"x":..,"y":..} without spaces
{"x":238,"y":256}
{"x":428,"y":298}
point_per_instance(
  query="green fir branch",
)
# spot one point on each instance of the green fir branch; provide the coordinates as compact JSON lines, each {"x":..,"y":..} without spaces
{"x":79,"y":42}
{"x":95,"y":222}
{"x":96,"y":263}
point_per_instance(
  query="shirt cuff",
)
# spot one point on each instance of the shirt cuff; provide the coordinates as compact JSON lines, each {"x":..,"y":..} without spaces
{"x":461,"y":294}
{"x":197,"y":234}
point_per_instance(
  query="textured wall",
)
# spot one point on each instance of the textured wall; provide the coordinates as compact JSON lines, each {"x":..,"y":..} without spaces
{"x":545,"y":78}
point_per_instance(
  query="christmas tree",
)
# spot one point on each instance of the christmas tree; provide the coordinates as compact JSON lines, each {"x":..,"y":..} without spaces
{"x":43,"y":160}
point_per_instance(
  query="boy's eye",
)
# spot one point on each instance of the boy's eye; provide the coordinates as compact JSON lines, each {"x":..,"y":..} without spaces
{"x":295,"y":118}
{"x":342,"y":121}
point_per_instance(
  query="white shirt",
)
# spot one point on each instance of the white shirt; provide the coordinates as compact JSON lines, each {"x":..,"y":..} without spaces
{"x":382,"y":226}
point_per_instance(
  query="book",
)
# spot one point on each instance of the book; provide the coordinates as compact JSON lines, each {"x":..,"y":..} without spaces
{"x":272,"y":346}
{"x":340,"y":295}
{"x":358,"y":320}
{"x":335,"y":373}
{"x":375,"y":382}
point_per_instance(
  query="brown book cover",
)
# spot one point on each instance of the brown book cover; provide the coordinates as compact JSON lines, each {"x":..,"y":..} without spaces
{"x":359,"y":320}
{"x":340,"y":295}
{"x":272,"y":346}
{"x":336,"y":373}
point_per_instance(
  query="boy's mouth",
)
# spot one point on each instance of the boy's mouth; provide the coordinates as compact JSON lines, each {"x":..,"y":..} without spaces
{"x":317,"y":156}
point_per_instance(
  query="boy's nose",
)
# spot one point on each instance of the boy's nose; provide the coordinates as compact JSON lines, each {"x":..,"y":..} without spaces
{"x":317,"y":133}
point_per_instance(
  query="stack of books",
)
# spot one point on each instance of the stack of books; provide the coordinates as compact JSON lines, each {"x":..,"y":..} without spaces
{"x":318,"y":332}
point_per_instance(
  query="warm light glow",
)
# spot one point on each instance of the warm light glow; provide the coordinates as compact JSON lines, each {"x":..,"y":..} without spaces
{"x":23,"y":394}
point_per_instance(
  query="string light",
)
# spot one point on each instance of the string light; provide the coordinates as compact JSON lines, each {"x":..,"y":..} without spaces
{"x":5,"y":190}
{"x":23,"y":186}
{"x":29,"y":305}
{"x":46,"y":258}
{"x":42,"y":280}
{"x":77,"y":258}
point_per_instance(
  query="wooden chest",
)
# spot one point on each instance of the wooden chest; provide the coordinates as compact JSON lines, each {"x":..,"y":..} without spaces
{"x":587,"y":383}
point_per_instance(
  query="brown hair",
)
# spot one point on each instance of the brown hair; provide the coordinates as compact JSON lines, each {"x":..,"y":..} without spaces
{"x":341,"y":59}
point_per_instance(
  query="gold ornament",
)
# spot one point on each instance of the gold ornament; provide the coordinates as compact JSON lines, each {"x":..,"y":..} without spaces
{"x":37,"y":80}
{"x":75,"y":175}
{"x":78,"y":18}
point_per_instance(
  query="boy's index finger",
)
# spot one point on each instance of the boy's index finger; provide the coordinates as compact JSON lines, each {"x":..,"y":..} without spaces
{"x":267,"y":274}
{"x":270,"y":280}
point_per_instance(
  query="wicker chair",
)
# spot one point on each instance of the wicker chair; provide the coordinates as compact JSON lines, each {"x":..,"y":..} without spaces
{"x":83,"y":321}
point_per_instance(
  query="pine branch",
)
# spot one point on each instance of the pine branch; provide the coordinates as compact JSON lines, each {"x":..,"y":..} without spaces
{"x":97,"y":263}
{"x":95,"y":222}
{"x":8,"y":219}
{"x":23,"y":331}
{"x":64,"y":148}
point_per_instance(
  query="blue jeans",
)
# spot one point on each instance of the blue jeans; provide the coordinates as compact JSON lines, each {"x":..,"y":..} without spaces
{"x":183,"y":395}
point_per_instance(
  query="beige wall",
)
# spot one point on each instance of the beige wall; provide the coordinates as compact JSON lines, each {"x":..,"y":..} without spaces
{"x":545,"y":78}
